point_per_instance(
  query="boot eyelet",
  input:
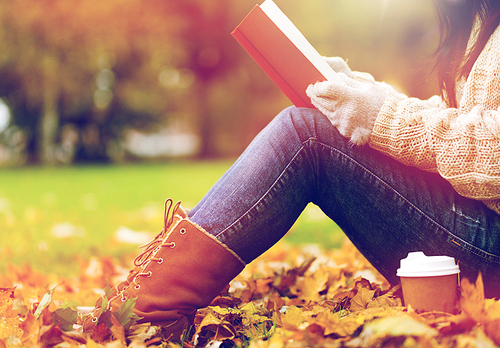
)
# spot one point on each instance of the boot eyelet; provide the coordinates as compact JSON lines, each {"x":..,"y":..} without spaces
{"x":94,"y":320}
{"x":124,"y":299}
{"x":137,"y":287}
{"x":182,"y":231}
{"x":160,"y":261}
{"x":172,"y":245}
{"x":150,"y":274}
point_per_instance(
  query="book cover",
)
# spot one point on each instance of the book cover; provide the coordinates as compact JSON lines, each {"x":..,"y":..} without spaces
{"x":281,"y":50}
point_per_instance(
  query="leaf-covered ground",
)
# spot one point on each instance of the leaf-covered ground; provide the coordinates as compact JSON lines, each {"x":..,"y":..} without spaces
{"x":289,"y":297}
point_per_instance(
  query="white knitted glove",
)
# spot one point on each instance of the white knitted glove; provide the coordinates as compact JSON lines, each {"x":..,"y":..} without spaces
{"x":339,"y":65}
{"x":350,"y":105}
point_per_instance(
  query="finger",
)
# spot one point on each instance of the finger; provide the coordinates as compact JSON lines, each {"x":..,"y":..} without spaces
{"x":349,"y":81}
{"x":338,"y":65}
{"x":327,"y":108}
{"x":325,"y":89}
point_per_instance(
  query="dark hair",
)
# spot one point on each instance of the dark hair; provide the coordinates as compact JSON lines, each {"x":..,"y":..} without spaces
{"x":456,"y":21}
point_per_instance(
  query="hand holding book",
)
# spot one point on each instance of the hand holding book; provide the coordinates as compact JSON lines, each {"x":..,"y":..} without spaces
{"x":352,"y":106}
{"x":339,"y":65}
{"x":351,"y":100}
{"x":281,"y":50}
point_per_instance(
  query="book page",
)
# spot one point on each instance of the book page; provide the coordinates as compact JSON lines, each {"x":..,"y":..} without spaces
{"x":296,"y":37}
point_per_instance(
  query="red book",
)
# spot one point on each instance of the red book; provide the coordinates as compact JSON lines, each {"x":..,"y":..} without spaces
{"x":281,"y":50}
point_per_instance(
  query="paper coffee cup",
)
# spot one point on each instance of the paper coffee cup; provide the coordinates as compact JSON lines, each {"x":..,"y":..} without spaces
{"x":429,"y":283}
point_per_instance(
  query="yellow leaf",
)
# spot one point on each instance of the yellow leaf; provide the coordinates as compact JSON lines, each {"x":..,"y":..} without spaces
{"x":276,"y":341}
{"x":6,"y":296}
{"x":310,"y":286}
{"x":31,"y":330}
{"x":399,"y":325}
{"x":472,"y":298}
{"x":10,"y":321}
{"x":360,"y":319}
{"x":386,"y":300}
{"x":117,"y":330}
{"x":219,"y":328}
{"x":361,"y":300}
{"x":492,"y":308}
{"x":221,"y":311}
{"x":293,"y":318}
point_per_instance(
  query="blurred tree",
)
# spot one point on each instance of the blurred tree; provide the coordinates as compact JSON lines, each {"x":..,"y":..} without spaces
{"x":77,"y":74}
{"x":210,"y":55}
{"x":84,"y":62}
{"x":391,"y":39}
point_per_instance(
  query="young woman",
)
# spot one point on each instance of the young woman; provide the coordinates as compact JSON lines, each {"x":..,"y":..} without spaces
{"x":397,"y":174}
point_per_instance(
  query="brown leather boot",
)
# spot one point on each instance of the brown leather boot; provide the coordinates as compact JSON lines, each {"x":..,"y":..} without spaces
{"x":172,"y":214}
{"x":186,"y":270}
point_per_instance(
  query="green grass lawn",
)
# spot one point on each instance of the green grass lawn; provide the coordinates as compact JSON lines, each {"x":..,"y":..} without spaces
{"x":52,"y":217}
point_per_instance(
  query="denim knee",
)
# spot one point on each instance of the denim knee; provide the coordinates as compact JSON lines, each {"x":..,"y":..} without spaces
{"x":308,"y":123}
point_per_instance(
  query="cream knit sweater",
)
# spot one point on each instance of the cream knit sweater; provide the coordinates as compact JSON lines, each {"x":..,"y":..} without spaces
{"x":462,"y":144}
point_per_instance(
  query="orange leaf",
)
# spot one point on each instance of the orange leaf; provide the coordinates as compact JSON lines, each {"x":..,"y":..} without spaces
{"x":51,"y":335}
{"x":117,"y":330}
{"x":6,"y":296}
{"x":215,"y":328}
{"x":293,"y":318}
{"x":9,"y":325}
{"x":472,"y":298}
{"x":30,"y":329}
{"x":361,"y":300}
{"x":100,"y":333}
{"x":310,"y":286}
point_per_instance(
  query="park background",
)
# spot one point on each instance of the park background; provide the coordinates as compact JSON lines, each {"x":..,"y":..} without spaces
{"x":107,"y":108}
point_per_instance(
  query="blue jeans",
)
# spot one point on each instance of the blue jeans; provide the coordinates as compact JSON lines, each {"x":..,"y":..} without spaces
{"x":385,"y":208}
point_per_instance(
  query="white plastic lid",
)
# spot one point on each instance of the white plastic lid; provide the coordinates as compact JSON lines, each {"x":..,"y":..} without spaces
{"x":417,"y":264}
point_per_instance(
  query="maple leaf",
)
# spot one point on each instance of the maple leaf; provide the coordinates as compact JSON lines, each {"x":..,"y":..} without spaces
{"x":257,"y":321}
{"x":310,"y":287}
{"x":293,"y":318}
{"x":9,"y":323}
{"x":51,"y":335}
{"x":389,"y":299}
{"x":100,"y":333}
{"x":118,"y":330}
{"x":66,"y":318}
{"x":6,"y":296}
{"x":285,"y":280}
{"x":362,"y":298}
{"x":30,"y":329}
{"x":216,"y":329}
{"x":486,"y":312}
{"x":380,"y":330}
{"x":125,"y":314}
{"x":472,"y":298}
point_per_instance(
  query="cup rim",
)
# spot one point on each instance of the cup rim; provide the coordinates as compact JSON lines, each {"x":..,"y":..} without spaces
{"x":417,"y":264}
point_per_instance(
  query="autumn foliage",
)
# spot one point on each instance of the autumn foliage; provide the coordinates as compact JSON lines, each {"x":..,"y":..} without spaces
{"x":289,"y":297}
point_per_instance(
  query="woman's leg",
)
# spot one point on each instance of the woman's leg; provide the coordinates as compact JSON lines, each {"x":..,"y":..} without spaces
{"x":385,"y":208}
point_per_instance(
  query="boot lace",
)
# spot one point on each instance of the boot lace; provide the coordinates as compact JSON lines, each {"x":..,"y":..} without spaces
{"x":150,"y":248}
{"x":157,"y":242}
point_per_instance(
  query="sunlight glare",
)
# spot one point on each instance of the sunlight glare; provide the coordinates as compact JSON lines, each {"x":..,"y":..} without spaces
{"x":4,"y":116}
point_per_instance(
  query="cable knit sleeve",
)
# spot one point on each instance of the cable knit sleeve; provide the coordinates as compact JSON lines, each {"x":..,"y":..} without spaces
{"x":462,"y":144}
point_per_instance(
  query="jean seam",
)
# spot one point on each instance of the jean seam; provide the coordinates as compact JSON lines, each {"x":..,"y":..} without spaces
{"x":465,"y":245}
{"x":268,"y":190}
{"x":474,"y":250}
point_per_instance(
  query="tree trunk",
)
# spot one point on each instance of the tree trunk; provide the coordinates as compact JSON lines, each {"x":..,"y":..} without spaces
{"x":49,"y":122}
{"x":205,"y":124}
